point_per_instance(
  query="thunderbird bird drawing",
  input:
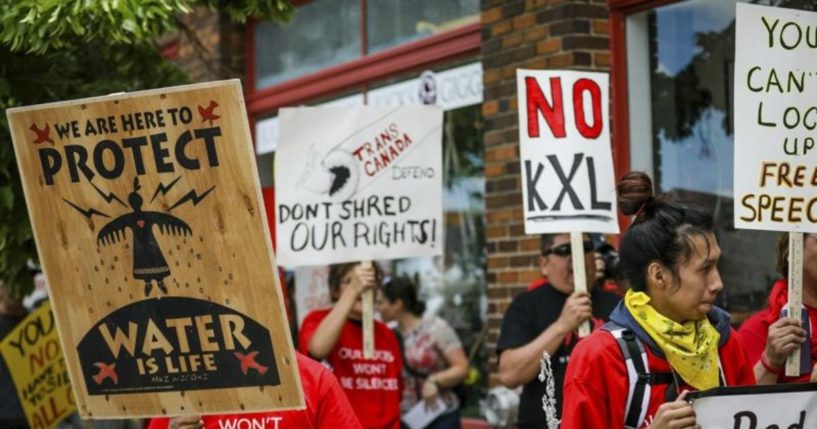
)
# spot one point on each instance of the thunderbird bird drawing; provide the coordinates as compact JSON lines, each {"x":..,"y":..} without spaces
{"x":149,"y":263}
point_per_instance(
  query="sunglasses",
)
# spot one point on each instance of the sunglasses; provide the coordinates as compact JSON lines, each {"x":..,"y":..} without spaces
{"x":563,"y":250}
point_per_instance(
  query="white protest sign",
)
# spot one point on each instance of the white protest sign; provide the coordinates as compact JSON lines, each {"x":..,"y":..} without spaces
{"x":782,"y":406}
{"x":565,"y":154}
{"x":358,"y":183}
{"x":775,"y":118}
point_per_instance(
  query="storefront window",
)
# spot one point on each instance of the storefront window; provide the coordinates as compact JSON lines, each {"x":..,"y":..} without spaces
{"x":680,"y":61}
{"x":326,"y":33}
{"x":454,"y":286}
{"x":321,"y":34}
{"x":392,"y":23}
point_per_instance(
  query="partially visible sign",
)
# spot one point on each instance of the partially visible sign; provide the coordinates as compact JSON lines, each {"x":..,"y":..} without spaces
{"x":775,"y":116}
{"x":34,"y":357}
{"x":266,"y":135}
{"x":358,"y":184}
{"x":565,"y":154}
{"x":311,"y":290}
{"x":791,"y":406}
{"x":147,"y":214}
{"x":266,"y":130}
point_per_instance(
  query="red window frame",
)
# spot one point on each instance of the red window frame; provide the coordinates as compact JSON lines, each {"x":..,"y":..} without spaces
{"x":619,"y":10}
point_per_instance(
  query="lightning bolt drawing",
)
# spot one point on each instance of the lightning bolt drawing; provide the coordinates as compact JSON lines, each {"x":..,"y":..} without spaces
{"x":192,"y":195}
{"x":87,"y":213}
{"x":110,"y":196}
{"x":164,"y":189}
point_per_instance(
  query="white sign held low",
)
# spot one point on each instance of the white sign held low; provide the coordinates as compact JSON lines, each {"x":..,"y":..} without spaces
{"x":782,"y":406}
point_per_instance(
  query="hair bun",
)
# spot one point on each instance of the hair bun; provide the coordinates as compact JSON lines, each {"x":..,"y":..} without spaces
{"x":634,"y":190}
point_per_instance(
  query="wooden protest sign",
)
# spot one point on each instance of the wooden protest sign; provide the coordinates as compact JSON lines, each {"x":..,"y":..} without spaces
{"x":566,"y":159}
{"x":775,"y":174}
{"x":358,"y":184}
{"x":146,"y":212}
{"x":789,"y":406}
{"x":34,"y":357}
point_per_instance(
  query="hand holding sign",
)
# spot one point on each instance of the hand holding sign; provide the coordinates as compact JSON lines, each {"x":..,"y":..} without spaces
{"x":577,"y":311}
{"x":186,"y":422}
{"x":676,"y":414}
{"x":774,"y":172}
{"x":785,"y":337}
{"x":567,"y":166}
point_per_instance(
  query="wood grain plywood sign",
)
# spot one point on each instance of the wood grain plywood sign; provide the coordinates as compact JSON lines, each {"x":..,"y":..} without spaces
{"x":146,"y":212}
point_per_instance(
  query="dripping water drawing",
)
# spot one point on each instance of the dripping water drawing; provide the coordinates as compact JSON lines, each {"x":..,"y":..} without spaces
{"x":149,"y":263}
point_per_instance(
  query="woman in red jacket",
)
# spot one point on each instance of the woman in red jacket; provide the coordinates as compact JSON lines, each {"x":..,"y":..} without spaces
{"x":669,"y":259}
{"x":770,"y":338}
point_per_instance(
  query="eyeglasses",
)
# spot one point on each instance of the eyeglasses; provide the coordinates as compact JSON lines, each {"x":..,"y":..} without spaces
{"x":563,"y":250}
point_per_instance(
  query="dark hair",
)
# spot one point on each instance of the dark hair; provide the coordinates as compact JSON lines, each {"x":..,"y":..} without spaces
{"x":609,"y":255}
{"x":338,"y":271}
{"x":403,"y":289}
{"x":546,"y":242}
{"x":782,"y":264}
{"x":662,"y":229}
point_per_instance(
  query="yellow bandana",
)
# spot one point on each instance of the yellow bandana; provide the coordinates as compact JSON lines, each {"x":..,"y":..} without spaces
{"x":691,"y":348}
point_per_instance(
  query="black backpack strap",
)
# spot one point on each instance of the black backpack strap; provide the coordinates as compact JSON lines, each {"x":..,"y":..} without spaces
{"x":638,"y":374}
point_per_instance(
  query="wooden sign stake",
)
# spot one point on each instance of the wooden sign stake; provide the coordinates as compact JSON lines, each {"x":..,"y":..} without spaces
{"x":795,"y":306}
{"x":368,"y":320}
{"x":579,"y":277}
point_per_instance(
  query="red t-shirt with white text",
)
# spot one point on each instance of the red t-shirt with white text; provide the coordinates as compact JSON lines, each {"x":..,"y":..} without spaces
{"x":373,"y":386}
{"x":326,"y":407}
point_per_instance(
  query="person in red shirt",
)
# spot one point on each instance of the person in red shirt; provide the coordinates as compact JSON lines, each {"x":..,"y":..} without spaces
{"x":374,"y":386}
{"x":669,"y":259}
{"x":326,"y":407}
{"x":770,"y":338}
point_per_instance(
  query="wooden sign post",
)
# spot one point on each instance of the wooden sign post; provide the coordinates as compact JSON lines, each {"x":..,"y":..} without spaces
{"x":579,"y":275}
{"x":146,"y":212}
{"x":368,"y":320}
{"x":795,"y":305}
{"x":566,"y":159}
{"x":775,"y":154}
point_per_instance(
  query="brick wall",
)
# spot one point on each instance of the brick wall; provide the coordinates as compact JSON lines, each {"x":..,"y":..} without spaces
{"x":533,"y":34}
{"x":209,"y":46}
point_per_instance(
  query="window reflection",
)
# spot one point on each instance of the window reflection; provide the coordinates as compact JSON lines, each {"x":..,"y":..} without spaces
{"x":321,"y":34}
{"x":391,"y":23}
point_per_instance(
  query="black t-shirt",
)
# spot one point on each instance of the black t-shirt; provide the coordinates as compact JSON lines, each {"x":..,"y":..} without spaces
{"x":11,"y":412}
{"x":530,"y":314}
